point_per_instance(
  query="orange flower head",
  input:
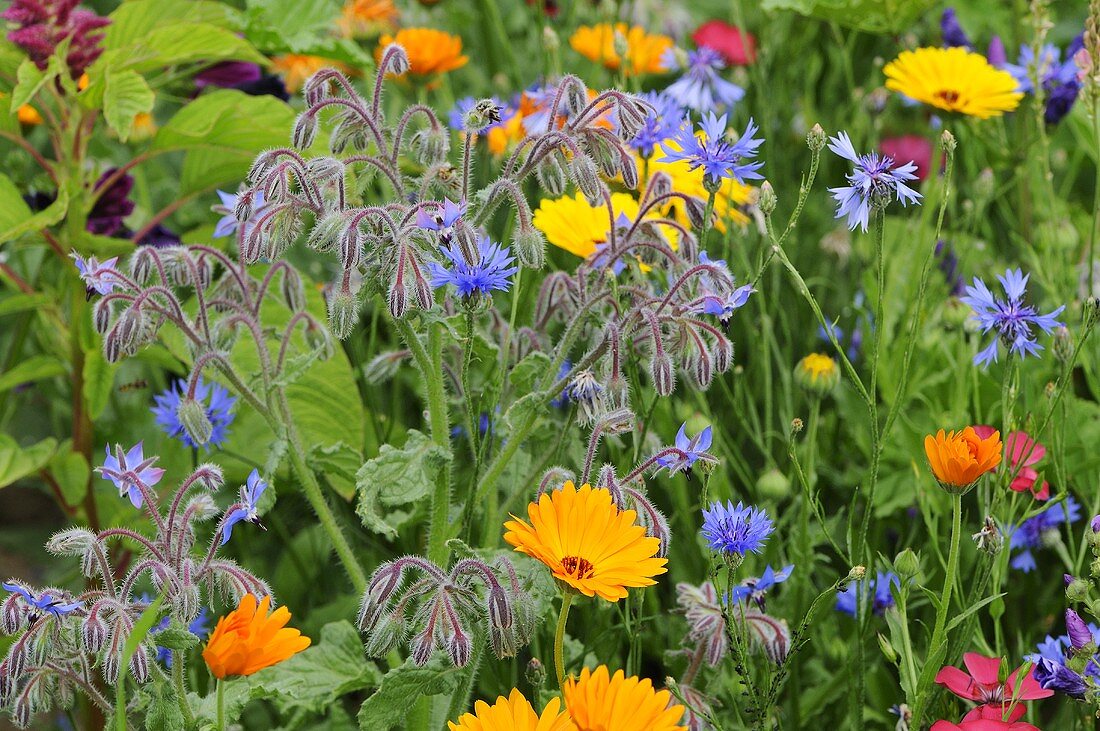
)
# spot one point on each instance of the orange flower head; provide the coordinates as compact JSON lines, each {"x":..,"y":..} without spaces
{"x":513,"y":713}
{"x":644,"y":52}
{"x":248,"y":639}
{"x":958,"y":459}
{"x":28,"y":115}
{"x":296,"y":68}
{"x":430,"y":51}
{"x":587,"y":542}
{"x":366,"y":17}
{"x":599,"y":701}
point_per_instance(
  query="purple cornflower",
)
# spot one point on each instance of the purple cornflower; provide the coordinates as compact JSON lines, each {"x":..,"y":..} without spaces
{"x":874,"y":182}
{"x":219,"y":409}
{"x":953,"y":33}
{"x":883,"y":599}
{"x":116,"y":466}
{"x":661,"y":123}
{"x":1040,"y":531}
{"x":491,"y":272}
{"x":45,"y":602}
{"x":755,"y":588}
{"x":228,"y":223}
{"x":1051,"y":661}
{"x":694,"y":449}
{"x":719,"y":159}
{"x":736,"y":529}
{"x":701,"y":88}
{"x":1010,"y":317}
{"x":97,"y":276}
{"x":441,"y":218}
{"x":246,"y":510}
{"x":1061,"y":85}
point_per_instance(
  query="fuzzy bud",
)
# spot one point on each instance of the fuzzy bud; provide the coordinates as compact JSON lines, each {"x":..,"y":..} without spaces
{"x":397,"y":299}
{"x":194,"y":419}
{"x":587,"y":178}
{"x":856,"y":574}
{"x":696,"y":211}
{"x":815,"y":138}
{"x":139,"y":665}
{"x":102,"y":316}
{"x":386,"y":634}
{"x":305,"y":131}
{"x":93,"y":632}
{"x":501,"y":636}
{"x":529,"y":246}
{"x":551,"y":173}
{"x":663,"y":373}
{"x":1091,"y":309}
{"x":112,"y":347}
{"x":11,"y":614}
{"x":294,"y":293}
{"x":628,"y":169}
{"x":326,"y":232}
{"x":130,"y":328}
{"x":659,"y":186}
{"x":325,"y":169}
{"x":343,"y":313}
{"x":887,"y":649}
{"x":948,"y":142}
{"x":350,"y":248}
{"x":425,"y":296}
{"x":71,"y":542}
{"x":1077,"y":590}
{"x":430,"y":146}
{"x":575,"y":94}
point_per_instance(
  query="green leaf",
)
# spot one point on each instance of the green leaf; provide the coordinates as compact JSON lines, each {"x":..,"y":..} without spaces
{"x":221,"y":133}
{"x":35,"y":368}
{"x":133,"y":21}
{"x":127,"y":95}
{"x":874,"y":16}
{"x":29,"y":79}
{"x":17,"y":462}
{"x":99,"y":379}
{"x":71,"y":472}
{"x":338,"y":463}
{"x":137,"y":635}
{"x":397,"y":477}
{"x":13,"y":209}
{"x":20,"y":301}
{"x":298,"y":23}
{"x":404,"y":686}
{"x":46,"y":217}
{"x":164,"y":712}
{"x":527,"y":372}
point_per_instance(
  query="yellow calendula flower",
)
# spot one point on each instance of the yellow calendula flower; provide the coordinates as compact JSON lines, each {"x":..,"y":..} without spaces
{"x":599,"y":701}
{"x":513,"y":713}
{"x":248,"y":639}
{"x":574,"y":224}
{"x":728,"y":202}
{"x":430,"y":51}
{"x":587,"y":542}
{"x":366,"y":17}
{"x":644,"y":52}
{"x":817,"y":373}
{"x":296,"y":68}
{"x":955,"y":80}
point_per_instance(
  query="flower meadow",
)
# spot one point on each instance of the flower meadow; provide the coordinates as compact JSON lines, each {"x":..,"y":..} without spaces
{"x":550,"y":365}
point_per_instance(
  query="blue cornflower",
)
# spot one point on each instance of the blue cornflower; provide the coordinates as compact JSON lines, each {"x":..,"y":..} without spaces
{"x":953,"y":33}
{"x":441,"y":218}
{"x":847,"y":600}
{"x":663,"y":122}
{"x":701,"y":88}
{"x":755,"y":588}
{"x":694,"y":449}
{"x":1040,"y":531}
{"x":219,"y":409}
{"x":492,"y":271}
{"x":736,"y":529}
{"x":1010,"y":317}
{"x":1058,"y":78}
{"x":228,"y":223}
{"x":1057,"y":676}
{"x":45,"y":602}
{"x":246,"y":509}
{"x":97,"y":276}
{"x":874,"y":182}
{"x":719,"y":159}
{"x":116,"y":466}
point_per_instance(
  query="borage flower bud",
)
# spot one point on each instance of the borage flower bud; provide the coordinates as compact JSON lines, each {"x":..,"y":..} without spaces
{"x":552,"y":173}
{"x":112,"y":347}
{"x":501,"y":635}
{"x":343,"y":312}
{"x":305,"y":130}
{"x":71,"y":542}
{"x":396,"y":60}
{"x":93,"y":632}
{"x":958,"y":459}
{"x":194,"y":420}
{"x":587,"y":178}
{"x":530,"y":247}
{"x":663,"y":373}
{"x":12,"y":614}
{"x":628,"y":169}
{"x":386,"y":634}
{"x":102,"y":316}
{"x":139,"y":665}
{"x":429,"y":146}
{"x":130,"y":329}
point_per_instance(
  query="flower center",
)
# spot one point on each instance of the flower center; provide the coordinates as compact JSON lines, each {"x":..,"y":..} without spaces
{"x":576,"y":566}
{"x":992,"y":695}
{"x":948,"y":96}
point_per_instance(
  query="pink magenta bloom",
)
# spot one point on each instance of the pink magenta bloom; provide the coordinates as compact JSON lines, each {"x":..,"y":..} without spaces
{"x":983,"y":724}
{"x":981,"y":683}
{"x":1021,"y":452}
{"x":909,"y":147}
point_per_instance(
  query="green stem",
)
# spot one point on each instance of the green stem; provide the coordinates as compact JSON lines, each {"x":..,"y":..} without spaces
{"x":559,"y":638}
{"x":221,"y":705}
{"x":469,"y":400}
{"x":438,"y":529}
{"x":181,"y":689}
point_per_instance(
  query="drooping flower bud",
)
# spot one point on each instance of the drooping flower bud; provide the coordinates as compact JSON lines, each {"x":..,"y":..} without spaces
{"x":343,"y":313}
{"x":194,"y":419}
{"x":529,"y":246}
{"x":305,"y":130}
{"x":663,"y":373}
{"x":430,"y":145}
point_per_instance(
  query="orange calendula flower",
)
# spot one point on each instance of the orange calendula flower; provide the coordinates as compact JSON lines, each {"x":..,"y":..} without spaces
{"x":248,"y":640}
{"x":958,"y":459}
{"x":513,"y":713}
{"x":644,"y":52}
{"x":296,"y":68}
{"x":366,"y":17}
{"x":430,"y":51}
{"x":599,"y":701}
{"x":955,"y":80}
{"x":28,"y":115}
{"x":587,"y":542}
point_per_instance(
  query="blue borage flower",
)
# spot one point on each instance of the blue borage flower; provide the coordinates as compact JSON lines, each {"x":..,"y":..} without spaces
{"x":1040,"y":531}
{"x":228,"y":223}
{"x":1052,"y":660}
{"x":247,"y":508}
{"x":441,"y":218}
{"x":693,"y":449}
{"x":736,"y":529}
{"x":98,"y":277}
{"x":47,"y":601}
{"x":1058,"y":78}
{"x":199,"y":626}
{"x":874,"y":181}
{"x":701,"y":88}
{"x":491,"y":272}
{"x":662,"y":122}
{"x":219,"y":409}
{"x":755,"y":588}
{"x":116,"y":466}
{"x":1010,"y":317}
{"x":878,"y":588}
{"x":719,"y":159}
{"x":714,"y":300}
{"x":456,"y":117}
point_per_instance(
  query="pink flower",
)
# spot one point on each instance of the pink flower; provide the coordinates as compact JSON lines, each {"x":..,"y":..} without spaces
{"x":982,"y":684}
{"x":1021,"y":451}
{"x":909,"y":147}
{"x":983,"y":724}
{"x":738,"y":47}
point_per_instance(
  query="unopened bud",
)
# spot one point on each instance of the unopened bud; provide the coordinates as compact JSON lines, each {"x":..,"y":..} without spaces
{"x":1063,"y":344}
{"x":294,"y":294}
{"x":989,"y":538}
{"x":767,"y":199}
{"x":1077,"y":590}
{"x":535,"y":673}
{"x":815,"y":138}
{"x":620,"y":44}
{"x":888,"y":651}
{"x":529,"y":246}
{"x":664,"y":374}
{"x":551,"y":173}
{"x":102,"y":316}
{"x":856,"y":574}
{"x":398,"y":59}
{"x":194,"y":419}
{"x":429,"y":146}
{"x":948,"y":141}
{"x":587,"y":178}
{"x":343,"y":313}
{"x":817,"y":373}
{"x":907,"y":564}
{"x":1091,"y":309}
{"x":305,"y":131}
{"x":797,"y":425}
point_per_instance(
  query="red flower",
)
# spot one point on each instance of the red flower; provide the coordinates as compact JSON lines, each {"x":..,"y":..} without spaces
{"x":983,"y":724}
{"x":982,"y":684}
{"x":738,"y":47}
{"x":909,"y":147}
{"x":1021,"y":451}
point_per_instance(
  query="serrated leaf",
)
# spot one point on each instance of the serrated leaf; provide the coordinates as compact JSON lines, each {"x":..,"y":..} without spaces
{"x":99,"y":379}
{"x":397,"y":477}
{"x":404,"y":686}
{"x":35,"y":368}
{"x":127,"y":94}
{"x":17,"y":462}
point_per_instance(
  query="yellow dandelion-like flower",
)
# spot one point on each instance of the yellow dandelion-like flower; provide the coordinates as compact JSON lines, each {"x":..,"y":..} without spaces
{"x":955,"y":80}
{"x":430,"y":51}
{"x":587,"y":542}
{"x":366,"y":17}
{"x":728,"y":202}
{"x":574,"y":224}
{"x":513,"y":713}
{"x":644,"y":52}
{"x":296,"y":68}
{"x":599,"y":701}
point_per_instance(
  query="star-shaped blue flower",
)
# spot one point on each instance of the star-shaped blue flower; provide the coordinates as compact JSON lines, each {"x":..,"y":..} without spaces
{"x":246,"y":510}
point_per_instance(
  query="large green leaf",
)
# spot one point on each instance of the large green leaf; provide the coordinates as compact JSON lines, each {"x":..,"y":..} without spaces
{"x":301,"y":26}
{"x":71,"y":471}
{"x":35,"y":368}
{"x":133,"y":21}
{"x":13,"y":209}
{"x":38,"y":221}
{"x":99,"y":379}
{"x":404,"y":686}
{"x":397,"y":478}
{"x":875,"y":16}
{"x":29,"y":80}
{"x":17,"y":462}
{"x":127,"y":95}
{"x":221,"y":133}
